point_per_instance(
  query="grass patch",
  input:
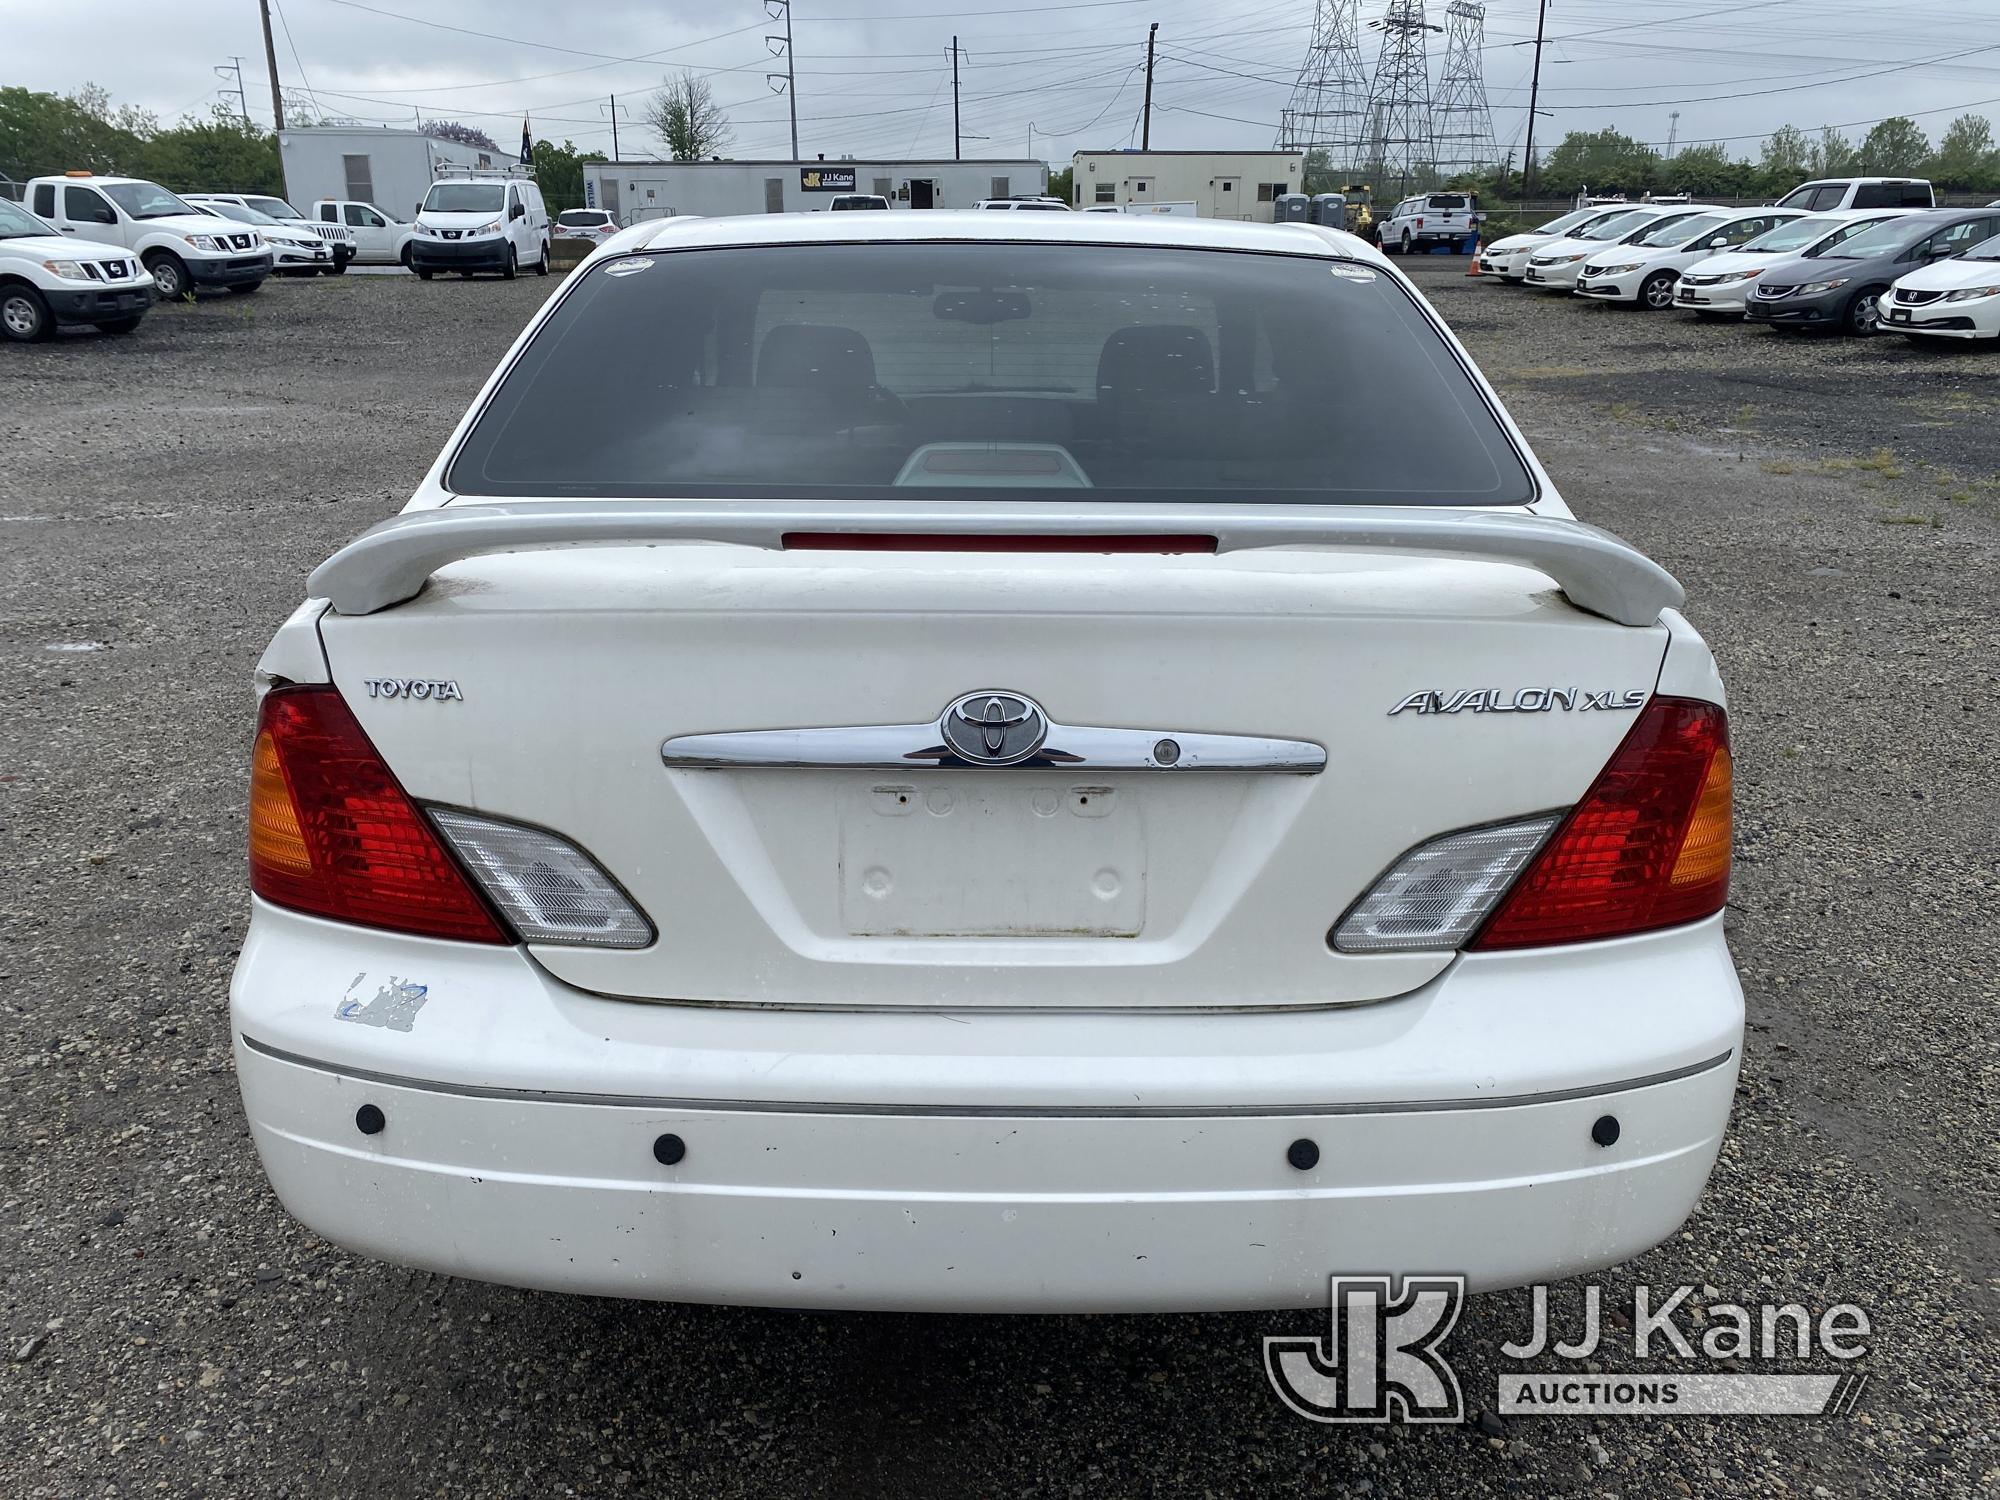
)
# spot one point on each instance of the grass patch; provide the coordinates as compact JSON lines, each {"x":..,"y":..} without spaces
{"x":1908,"y":518}
{"x":1779,"y":466}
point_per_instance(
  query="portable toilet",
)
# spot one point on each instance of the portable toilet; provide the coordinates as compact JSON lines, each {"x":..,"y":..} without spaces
{"x":1291,"y":208}
{"x":1329,"y":209}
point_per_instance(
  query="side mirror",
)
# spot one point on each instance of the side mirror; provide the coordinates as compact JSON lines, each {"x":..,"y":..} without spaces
{"x":518,"y":211}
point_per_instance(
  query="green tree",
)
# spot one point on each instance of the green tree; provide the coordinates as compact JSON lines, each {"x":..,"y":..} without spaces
{"x":1061,"y":182}
{"x":45,"y":133}
{"x":1787,"y":158}
{"x":685,"y":115}
{"x":1896,"y":146}
{"x":559,"y":173}
{"x":1832,"y":155}
{"x":219,"y":154}
{"x":1602,"y":160}
{"x":1320,"y":176}
{"x":1966,"y":157}
{"x":1707,"y":170}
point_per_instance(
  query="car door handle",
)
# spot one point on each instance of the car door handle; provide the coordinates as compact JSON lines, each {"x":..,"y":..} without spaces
{"x":67,"y":228}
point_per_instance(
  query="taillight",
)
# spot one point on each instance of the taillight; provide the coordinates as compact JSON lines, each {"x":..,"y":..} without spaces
{"x":1647,"y":847}
{"x":334,"y":834}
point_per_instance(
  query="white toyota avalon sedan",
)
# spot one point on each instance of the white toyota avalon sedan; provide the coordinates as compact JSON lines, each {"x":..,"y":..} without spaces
{"x":988,"y":762}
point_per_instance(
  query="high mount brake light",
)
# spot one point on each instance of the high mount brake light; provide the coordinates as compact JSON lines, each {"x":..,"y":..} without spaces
{"x":333,"y":833}
{"x":1647,"y":847}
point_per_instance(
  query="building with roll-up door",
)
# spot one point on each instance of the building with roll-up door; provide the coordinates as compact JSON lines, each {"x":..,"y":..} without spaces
{"x":637,"y":190}
{"x":1220,"y":184}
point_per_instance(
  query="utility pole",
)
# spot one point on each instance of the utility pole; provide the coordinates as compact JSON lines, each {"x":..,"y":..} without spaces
{"x":790,"y":75}
{"x":1534,"y":96}
{"x":614,"y":107}
{"x":1673,"y":132}
{"x":1146,"y":129}
{"x":954,"y":101}
{"x":271,"y":60}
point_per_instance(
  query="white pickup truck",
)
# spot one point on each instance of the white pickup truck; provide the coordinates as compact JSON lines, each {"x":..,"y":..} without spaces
{"x":184,"y":250}
{"x":380,"y":238}
{"x":46,"y":281}
{"x":1429,"y":220}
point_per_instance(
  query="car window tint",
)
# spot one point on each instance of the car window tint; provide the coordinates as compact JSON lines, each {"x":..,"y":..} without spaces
{"x":911,"y":371}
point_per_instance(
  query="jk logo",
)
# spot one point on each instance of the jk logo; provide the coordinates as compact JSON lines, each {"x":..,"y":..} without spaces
{"x":1379,"y":1362}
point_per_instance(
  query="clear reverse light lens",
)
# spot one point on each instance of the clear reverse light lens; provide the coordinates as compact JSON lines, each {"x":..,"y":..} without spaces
{"x":1437,"y":895}
{"x":547,"y":887}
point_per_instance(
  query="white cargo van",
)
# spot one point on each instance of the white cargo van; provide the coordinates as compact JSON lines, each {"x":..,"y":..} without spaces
{"x":481,"y":221}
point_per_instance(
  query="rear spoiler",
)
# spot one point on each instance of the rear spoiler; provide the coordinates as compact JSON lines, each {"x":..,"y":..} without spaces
{"x":390,"y":563}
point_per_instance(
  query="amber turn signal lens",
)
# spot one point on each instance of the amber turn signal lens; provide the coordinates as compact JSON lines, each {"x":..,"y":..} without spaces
{"x":276,"y":841}
{"x":1704,"y":856}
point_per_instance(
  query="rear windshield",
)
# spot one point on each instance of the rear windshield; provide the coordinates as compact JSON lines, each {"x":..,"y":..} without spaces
{"x":588,"y":218}
{"x":945,"y":371}
{"x":1447,"y":200}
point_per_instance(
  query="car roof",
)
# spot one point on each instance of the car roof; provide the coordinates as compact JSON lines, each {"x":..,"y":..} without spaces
{"x":1165,"y":230}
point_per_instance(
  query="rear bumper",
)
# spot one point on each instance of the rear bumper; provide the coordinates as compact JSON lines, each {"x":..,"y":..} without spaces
{"x":99,"y":306}
{"x":460,"y":255}
{"x":239,"y":270}
{"x":1026,"y":1161}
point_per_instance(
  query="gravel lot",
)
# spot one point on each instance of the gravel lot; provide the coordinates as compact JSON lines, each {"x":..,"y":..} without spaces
{"x":1834,"y":509}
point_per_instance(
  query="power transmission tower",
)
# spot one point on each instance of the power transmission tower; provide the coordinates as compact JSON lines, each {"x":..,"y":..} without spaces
{"x":1464,"y":123}
{"x":1328,"y":110}
{"x":789,"y":78}
{"x":1673,"y":132}
{"x":1402,"y":137}
{"x":225,"y":71}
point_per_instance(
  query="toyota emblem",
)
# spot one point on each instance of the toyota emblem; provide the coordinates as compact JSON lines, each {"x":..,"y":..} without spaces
{"x":994,"y":728}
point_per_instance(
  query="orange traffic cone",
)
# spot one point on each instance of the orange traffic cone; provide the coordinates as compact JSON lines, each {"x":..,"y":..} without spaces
{"x":1477,"y":246}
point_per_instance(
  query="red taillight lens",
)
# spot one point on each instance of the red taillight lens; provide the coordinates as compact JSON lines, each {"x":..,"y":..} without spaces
{"x":1647,"y":847}
{"x":332,"y":833}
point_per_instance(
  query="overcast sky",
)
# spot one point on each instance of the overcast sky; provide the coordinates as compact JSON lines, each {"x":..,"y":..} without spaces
{"x":874,"y":78}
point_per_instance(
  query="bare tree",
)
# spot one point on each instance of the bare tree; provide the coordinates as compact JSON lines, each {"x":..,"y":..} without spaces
{"x":685,"y":115}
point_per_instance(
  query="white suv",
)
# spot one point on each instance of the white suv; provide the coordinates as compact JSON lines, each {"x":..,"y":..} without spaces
{"x":185,"y":251}
{"x":47,"y":281}
{"x":835,"y":798}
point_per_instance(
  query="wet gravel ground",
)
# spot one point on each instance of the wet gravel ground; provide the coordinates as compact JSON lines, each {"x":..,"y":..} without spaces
{"x":1834,"y":509}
